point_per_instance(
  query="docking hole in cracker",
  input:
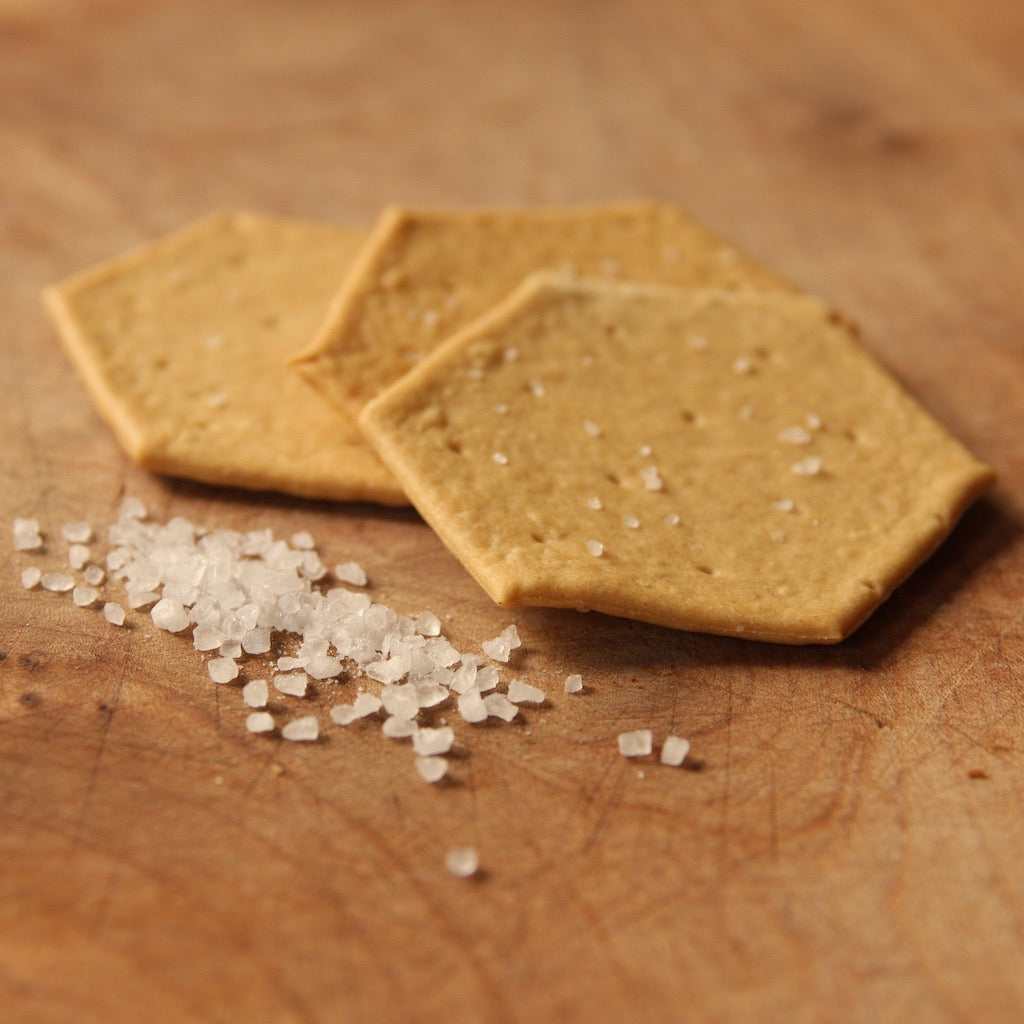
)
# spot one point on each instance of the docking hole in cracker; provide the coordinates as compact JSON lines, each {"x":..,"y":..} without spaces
{"x":423,"y":274}
{"x":725,"y":462}
{"x":182,"y":344}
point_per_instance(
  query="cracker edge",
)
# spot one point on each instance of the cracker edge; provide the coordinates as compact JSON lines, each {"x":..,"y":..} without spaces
{"x":847,"y":619}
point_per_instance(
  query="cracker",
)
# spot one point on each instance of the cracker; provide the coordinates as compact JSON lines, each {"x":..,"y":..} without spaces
{"x":730,"y":463}
{"x":426,"y":273}
{"x":182,"y":344}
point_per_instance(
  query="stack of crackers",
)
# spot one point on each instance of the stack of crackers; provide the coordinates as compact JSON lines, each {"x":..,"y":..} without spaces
{"x":605,"y":408}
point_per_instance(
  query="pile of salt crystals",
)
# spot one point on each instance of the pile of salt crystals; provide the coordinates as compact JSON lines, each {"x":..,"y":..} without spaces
{"x":235,"y":591}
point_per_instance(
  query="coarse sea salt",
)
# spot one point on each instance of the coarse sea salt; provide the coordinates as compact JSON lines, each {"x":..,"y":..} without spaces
{"x":810,"y":466}
{"x":351,"y":573}
{"x":428,"y":741}
{"x":78,"y":555}
{"x":502,"y":646}
{"x":499,"y":706}
{"x":261,"y":721}
{"x":471,"y":706}
{"x":30,"y":577}
{"x":293,"y":684}
{"x":255,"y":693}
{"x":399,"y":728}
{"x":57,"y":582}
{"x":302,"y":730}
{"x":525,"y":693}
{"x":573,"y":683}
{"x":222,"y":670}
{"x":432,"y":769}
{"x":462,"y":861}
{"x":674,"y":751}
{"x":77,"y":533}
{"x":636,"y":743}
{"x":26,"y":535}
{"x":85,"y":597}
{"x":241,"y":594}
{"x":113,"y":613}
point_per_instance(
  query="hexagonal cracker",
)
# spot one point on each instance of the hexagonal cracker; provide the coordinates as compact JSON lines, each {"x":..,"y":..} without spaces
{"x":182,"y":345}
{"x":730,"y":463}
{"x":424,"y":274}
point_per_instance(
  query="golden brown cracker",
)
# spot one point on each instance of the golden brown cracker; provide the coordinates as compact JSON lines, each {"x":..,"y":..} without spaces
{"x":425,"y":273}
{"x":182,"y":344}
{"x":725,"y":462}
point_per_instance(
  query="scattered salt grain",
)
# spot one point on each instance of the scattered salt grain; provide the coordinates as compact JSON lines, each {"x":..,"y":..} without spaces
{"x":674,"y":751}
{"x":400,"y":701}
{"x":399,"y":728}
{"x":141,"y":598}
{"x":595,"y":503}
{"x":206,"y":638}
{"x":795,"y":435}
{"x":595,"y":548}
{"x":499,"y":706}
{"x":630,"y":522}
{"x":428,"y":742}
{"x":58,"y":582}
{"x":537,"y":389}
{"x":351,"y":573}
{"x":169,"y":615}
{"x":26,"y":535}
{"x":132,"y":508}
{"x":644,"y":451}
{"x":432,"y":769}
{"x":698,"y":342}
{"x":523,"y":693}
{"x":651,"y":478}
{"x":462,"y":862}
{"x":94,"y":575}
{"x":305,"y":729}
{"x":784,"y":504}
{"x":500,"y":458}
{"x":591,"y":428}
{"x":255,"y":693}
{"x":303,"y":541}
{"x":427,"y":624}
{"x":502,"y":646}
{"x":573,"y":683}
{"x":813,"y":421}
{"x":365,"y":704}
{"x":672,"y":519}
{"x":113,"y":613}
{"x":85,"y":596}
{"x":293,"y":684}
{"x":256,"y":641}
{"x":261,"y":721}
{"x":222,"y":670}
{"x":742,"y":365}
{"x":637,"y":743}
{"x":30,"y":577}
{"x":811,"y":466}
{"x":76,"y":533}
{"x":471,"y":706}
{"x":501,"y":408}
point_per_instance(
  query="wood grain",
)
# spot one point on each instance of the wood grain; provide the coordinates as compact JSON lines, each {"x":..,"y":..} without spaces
{"x":849,"y":846}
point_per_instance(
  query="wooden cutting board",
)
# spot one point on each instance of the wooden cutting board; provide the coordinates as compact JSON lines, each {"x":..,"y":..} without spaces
{"x":846,"y":843}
